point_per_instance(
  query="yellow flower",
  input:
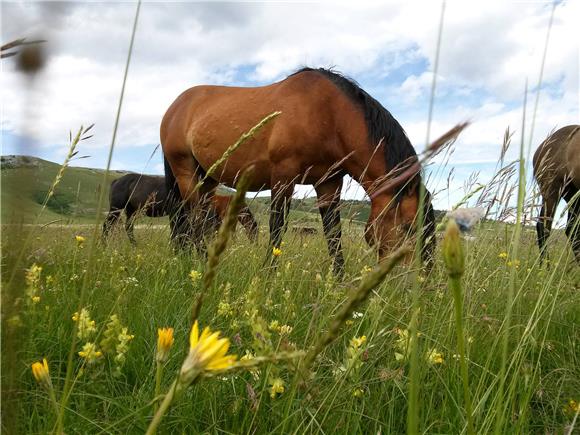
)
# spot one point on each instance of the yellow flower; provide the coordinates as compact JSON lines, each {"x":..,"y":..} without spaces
{"x":503,"y":255}
{"x":80,"y":240}
{"x":274,"y":326}
{"x":35,"y":299}
{"x":194,"y":275}
{"x":277,"y":387}
{"x":366,"y":269}
{"x":90,"y":353}
{"x":349,"y":322}
{"x":514,"y":263}
{"x":357,"y":342}
{"x":572,"y":407}
{"x":164,"y":343}
{"x":86,"y":326}
{"x":435,"y":357}
{"x":285,"y":329}
{"x":41,"y":373}
{"x":276,"y":252}
{"x":357,"y":392}
{"x":207,"y":352}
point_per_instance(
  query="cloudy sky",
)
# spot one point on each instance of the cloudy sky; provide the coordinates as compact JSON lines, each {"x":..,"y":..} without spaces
{"x":489,"y":49}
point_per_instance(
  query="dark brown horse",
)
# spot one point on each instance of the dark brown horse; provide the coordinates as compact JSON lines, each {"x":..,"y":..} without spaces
{"x":147,"y":194}
{"x":557,"y":171}
{"x":328,"y":127}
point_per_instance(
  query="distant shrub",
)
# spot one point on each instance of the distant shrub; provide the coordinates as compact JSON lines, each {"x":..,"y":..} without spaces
{"x":60,"y":203}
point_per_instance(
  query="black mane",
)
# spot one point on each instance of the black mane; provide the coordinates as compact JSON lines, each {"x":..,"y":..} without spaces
{"x":381,"y":125}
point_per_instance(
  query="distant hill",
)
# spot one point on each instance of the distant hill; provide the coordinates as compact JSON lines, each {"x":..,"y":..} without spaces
{"x":26,"y":181}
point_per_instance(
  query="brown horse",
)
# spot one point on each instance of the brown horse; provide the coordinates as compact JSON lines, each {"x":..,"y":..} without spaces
{"x":328,"y":127}
{"x":147,"y":194}
{"x":557,"y":171}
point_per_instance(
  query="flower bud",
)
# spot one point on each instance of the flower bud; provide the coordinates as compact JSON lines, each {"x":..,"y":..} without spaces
{"x":164,"y":343}
{"x":453,"y":250}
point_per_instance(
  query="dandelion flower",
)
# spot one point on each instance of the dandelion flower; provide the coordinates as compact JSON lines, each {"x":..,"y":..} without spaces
{"x":503,"y":255}
{"x":277,"y":387}
{"x":207,"y":352}
{"x":41,"y":373}
{"x":164,"y":343}
{"x":35,"y":299}
{"x":276,"y":252}
{"x":80,"y":240}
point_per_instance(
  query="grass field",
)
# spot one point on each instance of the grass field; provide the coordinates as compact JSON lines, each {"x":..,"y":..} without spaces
{"x":355,"y":385}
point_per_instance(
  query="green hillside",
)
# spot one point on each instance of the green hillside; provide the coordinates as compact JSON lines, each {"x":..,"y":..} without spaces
{"x":26,"y":181}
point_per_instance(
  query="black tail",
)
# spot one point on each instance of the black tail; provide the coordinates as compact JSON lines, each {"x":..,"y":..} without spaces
{"x":174,"y":208}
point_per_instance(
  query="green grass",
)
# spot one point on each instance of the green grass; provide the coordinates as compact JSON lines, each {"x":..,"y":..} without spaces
{"x":148,"y":287}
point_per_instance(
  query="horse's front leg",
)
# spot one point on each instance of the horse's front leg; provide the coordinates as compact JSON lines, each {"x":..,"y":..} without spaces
{"x":328,"y":194}
{"x":544,"y":225}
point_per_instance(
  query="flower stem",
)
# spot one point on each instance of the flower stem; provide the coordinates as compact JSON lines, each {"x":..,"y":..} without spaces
{"x":455,"y":286}
{"x":152,"y":429}
{"x":158,"y":376}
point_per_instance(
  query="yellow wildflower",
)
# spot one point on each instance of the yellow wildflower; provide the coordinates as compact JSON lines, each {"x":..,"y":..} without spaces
{"x":276,"y":252}
{"x":349,"y":322}
{"x":86,"y":326}
{"x":35,"y":299}
{"x":194,"y":275}
{"x":90,"y":353}
{"x":225,"y":309}
{"x":366,"y":269}
{"x":515,"y":263}
{"x":80,"y":240}
{"x":358,"y":392}
{"x":206,"y":352}
{"x":357,"y":342}
{"x":285,"y":329}
{"x":41,"y":373}
{"x":503,"y":255}
{"x":274,"y":326}
{"x":572,"y":407}
{"x":435,"y":357}
{"x":164,"y":343}
{"x":277,"y":387}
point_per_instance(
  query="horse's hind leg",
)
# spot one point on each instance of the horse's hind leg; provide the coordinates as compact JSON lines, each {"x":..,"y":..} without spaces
{"x":544,"y":225}
{"x":573,"y":224}
{"x":130,"y":223}
{"x":197,"y":215}
{"x":279,"y":208}
{"x":110,"y":221}
{"x":328,"y":195}
{"x":247,"y":220}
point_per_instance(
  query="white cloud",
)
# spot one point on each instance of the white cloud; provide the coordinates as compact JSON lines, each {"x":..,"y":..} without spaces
{"x":488,"y":50}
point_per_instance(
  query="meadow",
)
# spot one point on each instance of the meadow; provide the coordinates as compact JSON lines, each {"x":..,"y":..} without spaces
{"x":360,"y":383}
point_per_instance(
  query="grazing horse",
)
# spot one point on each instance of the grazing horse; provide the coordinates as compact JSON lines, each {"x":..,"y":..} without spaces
{"x":147,"y":194}
{"x":328,"y":127}
{"x":557,"y":171}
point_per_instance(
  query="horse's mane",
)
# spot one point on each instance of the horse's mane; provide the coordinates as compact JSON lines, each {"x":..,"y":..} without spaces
{"x":381,"y":125}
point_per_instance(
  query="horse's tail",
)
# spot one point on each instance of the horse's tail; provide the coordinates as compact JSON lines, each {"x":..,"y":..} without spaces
{"x":173,"y":205}
{"x":173,"y":194}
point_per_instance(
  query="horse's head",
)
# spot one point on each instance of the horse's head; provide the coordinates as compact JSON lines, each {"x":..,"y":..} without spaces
{"x":394,"y":220}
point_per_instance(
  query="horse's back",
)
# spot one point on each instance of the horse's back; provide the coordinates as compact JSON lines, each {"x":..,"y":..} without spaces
{"x":206,"y":120}
{"x":554,"y":159}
